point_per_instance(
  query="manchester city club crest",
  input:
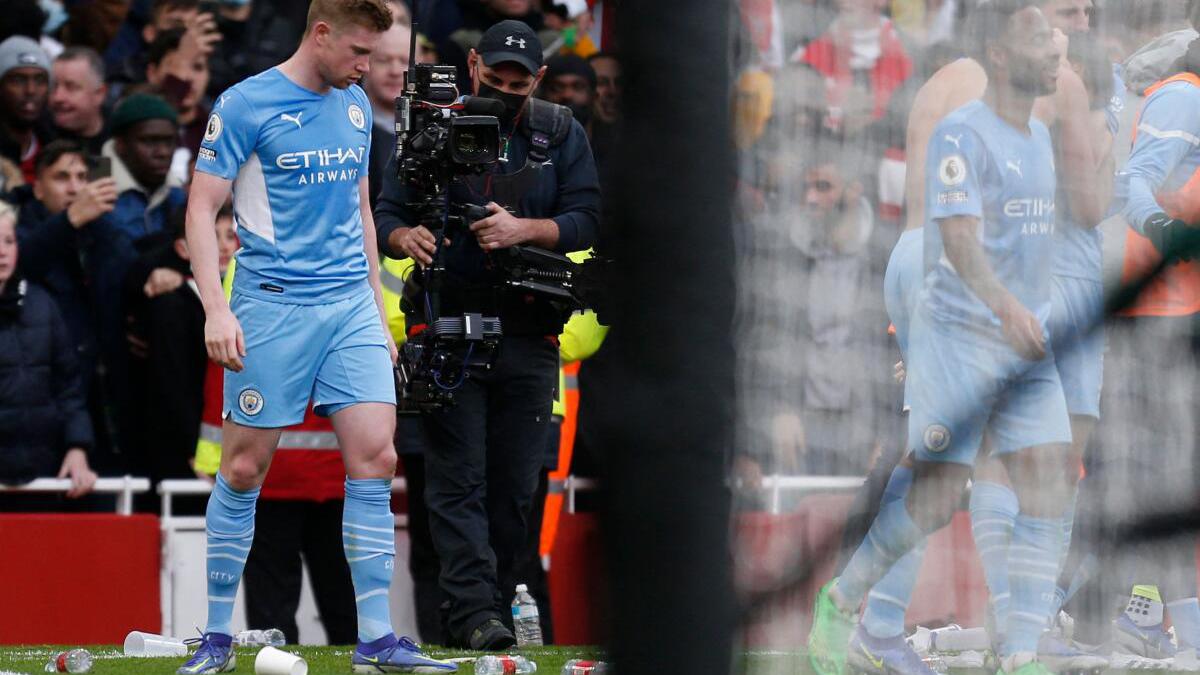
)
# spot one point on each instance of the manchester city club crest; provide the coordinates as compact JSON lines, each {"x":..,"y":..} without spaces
{"x":356,"y":116}
{"x":250,"y":401}
{"x":936,"y":437}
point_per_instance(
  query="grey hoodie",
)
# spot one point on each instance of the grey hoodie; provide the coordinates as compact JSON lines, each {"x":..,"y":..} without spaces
{"x":1154,"y":61}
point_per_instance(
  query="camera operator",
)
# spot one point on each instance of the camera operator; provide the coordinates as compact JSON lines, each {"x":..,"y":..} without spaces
{"x":482,"y":468}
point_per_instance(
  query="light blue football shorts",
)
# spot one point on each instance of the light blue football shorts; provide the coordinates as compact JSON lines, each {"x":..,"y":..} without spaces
{"x":333,"y":354}
{"x":1077,"y":330}
{"x":960,"y":383}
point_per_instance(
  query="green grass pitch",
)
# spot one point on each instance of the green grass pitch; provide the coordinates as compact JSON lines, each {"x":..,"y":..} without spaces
{"x":336,"y":661}
{"x":321,"y":660}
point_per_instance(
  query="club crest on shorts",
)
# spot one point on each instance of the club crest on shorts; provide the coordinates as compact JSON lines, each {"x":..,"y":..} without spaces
{"x":250,"y":402}
{"x":356,"y":116}
{"x":936,"y":437}
{"x":213,"y":131}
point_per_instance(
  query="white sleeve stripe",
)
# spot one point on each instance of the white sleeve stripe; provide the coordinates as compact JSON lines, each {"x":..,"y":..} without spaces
{"x":1160,"y":134}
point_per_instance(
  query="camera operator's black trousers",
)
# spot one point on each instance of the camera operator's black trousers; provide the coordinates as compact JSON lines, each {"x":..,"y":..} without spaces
{"x":284,"y":532}
{"x":481,"y":471}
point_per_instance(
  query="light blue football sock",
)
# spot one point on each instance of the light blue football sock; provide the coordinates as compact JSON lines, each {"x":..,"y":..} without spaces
{"x":1060,"y":593}
{"x":993,"y":509}
{"x":1185,"y":616}
{"x":1032,"y":574}
{"x":888,"y":599}
{"x":369,"y":540}
{"x":229,"y":528}
{"x":1082,"y":575}
{"x":1068,"y":524}
{"x":892,"y":535}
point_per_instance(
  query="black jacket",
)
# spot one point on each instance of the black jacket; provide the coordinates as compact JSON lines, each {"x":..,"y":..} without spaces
{"x":42,"y":408}
{"x":168,"y":380}
{"x":566,"y":190}
{"x":52,"y":256}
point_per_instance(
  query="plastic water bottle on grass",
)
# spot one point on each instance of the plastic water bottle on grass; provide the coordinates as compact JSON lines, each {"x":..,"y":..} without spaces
{"x":585,"y":667}
{"x":73,"y":661}
{"x":525,"y":619}
{"x":271,"y":637}
{"x":504,"y":665}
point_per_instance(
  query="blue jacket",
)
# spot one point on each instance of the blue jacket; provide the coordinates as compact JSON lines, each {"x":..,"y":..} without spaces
{"x":42,"y":407}
{"x":110,"y":246}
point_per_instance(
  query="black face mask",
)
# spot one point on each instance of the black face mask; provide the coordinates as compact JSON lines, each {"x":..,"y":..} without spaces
{"x":513,"y":103}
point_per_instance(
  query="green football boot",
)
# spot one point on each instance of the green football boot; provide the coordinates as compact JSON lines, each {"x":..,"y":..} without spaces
{"x":1031,"y":668}
{"x":830,"y":635}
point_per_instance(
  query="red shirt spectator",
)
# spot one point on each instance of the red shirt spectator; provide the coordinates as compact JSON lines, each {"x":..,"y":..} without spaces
{"x":863,"y":62}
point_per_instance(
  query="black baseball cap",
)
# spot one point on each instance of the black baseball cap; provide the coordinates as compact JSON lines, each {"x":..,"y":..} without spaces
{"x":511,"y":40}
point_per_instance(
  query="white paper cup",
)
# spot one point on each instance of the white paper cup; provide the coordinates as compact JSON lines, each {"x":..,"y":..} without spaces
{"x":138,"y":643}
{"x":272,"y":661}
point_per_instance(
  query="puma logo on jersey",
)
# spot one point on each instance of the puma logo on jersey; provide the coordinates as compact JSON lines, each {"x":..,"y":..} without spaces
{"x":289,"y":118}
{"x":1014,"y":165}
{"x":955,"y":140}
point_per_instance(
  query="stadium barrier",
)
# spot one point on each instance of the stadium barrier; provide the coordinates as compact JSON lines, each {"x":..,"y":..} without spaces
{"x":79,"y":578}
{"x":125,"y":487}
{"x":182,"y":575}
{"x":771,"y":546}
{"x":796,"y":519}
{"x":68,"y":563}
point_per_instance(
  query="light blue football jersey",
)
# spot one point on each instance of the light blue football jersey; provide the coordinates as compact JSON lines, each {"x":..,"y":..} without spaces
{"x":1165,"y":155}
{"x":295,"y":158}
{"x":1078,"y":250}
{"x":978,"y":165}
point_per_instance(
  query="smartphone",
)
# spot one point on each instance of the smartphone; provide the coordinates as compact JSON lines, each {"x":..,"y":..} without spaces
{"x":99,"y":167}
{"x":174,"y":90}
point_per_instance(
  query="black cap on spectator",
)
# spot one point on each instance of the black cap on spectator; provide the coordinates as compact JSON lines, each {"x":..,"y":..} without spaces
{"x":570,"y":64}
{"x":139,"y":108}
{"x":514,"y":41}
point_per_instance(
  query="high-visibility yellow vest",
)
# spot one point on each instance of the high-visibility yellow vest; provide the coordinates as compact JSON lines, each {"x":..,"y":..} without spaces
{"x":392,"y":274}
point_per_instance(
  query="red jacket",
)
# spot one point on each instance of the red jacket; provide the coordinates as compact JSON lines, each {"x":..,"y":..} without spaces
{"x":829,"y":55}
{"x":307,"y":466}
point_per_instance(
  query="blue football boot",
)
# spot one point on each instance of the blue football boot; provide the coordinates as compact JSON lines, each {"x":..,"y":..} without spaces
{"x":868,"y":655}
{"x":1153,"y":641}
{"x":214,"y":655}
{"x":389,"y":655}
{"x":1063,"y":655}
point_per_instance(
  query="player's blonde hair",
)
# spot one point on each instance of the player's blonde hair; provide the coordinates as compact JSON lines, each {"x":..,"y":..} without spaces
{"x":372,"y":14}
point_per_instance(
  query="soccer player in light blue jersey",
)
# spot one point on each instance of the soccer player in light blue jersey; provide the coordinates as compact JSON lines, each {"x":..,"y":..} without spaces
{"x":306,"y":321}
{"x":982,"y":359}
{"x":1085,"y":113}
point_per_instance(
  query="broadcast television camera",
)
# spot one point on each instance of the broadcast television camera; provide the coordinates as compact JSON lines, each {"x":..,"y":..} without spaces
{"x":441,"y":136}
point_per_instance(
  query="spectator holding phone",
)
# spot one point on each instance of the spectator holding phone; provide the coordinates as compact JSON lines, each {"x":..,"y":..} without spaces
{"x":126,"y":55}
{"x":181,"y":75}
{"x":56,"y":215}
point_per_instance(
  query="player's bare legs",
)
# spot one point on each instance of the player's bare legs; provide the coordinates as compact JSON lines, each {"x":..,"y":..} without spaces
{"x":364,"y":432}
{"x":246,"y":454}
